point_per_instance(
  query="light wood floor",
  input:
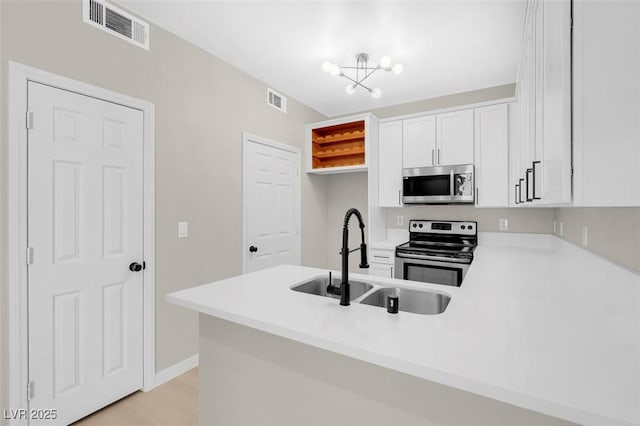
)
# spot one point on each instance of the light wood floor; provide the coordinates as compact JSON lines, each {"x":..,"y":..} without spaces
{"x":174,"y":403}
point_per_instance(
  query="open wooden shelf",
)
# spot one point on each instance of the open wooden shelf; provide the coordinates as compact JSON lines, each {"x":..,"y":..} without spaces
{"x":339,"y":152}
{"x":339,"y":137}
{"x":339,"y":145}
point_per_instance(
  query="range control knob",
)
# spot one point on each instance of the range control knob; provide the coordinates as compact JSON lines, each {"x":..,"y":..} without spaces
{"x":415,"y":225}
{"x":463,"y":227}
{"x":420,"y":225}
{"x":470,"y":227}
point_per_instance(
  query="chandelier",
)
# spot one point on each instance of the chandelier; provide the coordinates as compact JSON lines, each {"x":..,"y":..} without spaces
{"x":361,"y":72}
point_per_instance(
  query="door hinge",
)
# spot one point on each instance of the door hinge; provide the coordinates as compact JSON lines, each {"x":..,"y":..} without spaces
{"x":29,"y":120}
{"x":30,"y":387}
{"x":29,"y":255}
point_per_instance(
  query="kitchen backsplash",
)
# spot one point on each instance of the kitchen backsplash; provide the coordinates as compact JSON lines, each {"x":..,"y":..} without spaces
{"x":535,"y":221}
{"x":612,"y":232}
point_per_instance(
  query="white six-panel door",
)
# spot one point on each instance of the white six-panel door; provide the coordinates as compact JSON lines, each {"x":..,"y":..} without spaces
{"x":271,"y":193}
{"x":85,"y":227}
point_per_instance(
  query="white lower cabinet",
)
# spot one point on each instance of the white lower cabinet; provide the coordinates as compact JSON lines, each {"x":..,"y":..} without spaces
{"x":381,"y":262}
{"x":390,"y":164}
{"x":381,"y":270}
{"x":491,"y":156}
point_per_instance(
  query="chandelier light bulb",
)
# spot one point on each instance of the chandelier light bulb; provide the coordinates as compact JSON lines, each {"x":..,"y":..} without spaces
{"x":360,"y":72}
{"x":397,"y":68}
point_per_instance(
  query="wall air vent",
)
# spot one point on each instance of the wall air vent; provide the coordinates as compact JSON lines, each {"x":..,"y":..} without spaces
{"x":113,"y":20}
{"x":276,"y":100}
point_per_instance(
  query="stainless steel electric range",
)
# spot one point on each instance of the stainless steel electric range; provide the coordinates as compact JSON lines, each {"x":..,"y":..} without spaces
{"x":438,"y":252}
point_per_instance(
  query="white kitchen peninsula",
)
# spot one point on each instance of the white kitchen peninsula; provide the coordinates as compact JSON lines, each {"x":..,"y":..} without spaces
{"x":541,"y":332}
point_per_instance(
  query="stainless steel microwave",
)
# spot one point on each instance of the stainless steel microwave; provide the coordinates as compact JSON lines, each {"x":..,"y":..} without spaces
{"x":438,"y":185}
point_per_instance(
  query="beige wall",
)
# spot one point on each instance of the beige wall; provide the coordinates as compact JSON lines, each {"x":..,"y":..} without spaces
{"x":345,"y":191}
{"x":613,"y":232}
{"x":449,"y":101}
{"x":202,"y":106}
{"x":537,"y":221}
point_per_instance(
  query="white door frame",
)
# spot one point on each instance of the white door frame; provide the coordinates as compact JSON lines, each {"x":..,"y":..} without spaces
{"x":19,"y":76}
{"x":246,"y":139}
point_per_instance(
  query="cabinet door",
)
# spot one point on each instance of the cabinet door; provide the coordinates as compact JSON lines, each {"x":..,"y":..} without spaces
{"x":419,"y":142}
{"x":514,"y":151}
{"x":606,"y":107}
{"x":556,"y":102}
{"x":390,"y":164}
{"x":381,"y":270}
{"x":455,"y":138}
{"x":491,"y":156}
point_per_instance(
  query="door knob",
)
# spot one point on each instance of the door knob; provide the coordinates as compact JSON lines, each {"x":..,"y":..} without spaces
{"x":135,"y":267}
{"x":253,"y":249}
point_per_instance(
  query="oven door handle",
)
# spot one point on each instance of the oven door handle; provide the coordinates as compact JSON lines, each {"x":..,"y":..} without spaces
{"x":434,"y":258}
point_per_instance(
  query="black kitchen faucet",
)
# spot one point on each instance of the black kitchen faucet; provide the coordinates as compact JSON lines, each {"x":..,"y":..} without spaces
{"x":344,"y":290}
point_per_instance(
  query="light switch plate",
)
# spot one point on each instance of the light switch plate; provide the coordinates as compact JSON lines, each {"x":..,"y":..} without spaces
{"x":400,"y":220}
{"x":504,"y":224}
{"x":183,"y":229}
{"x":555,"y":227}
{"x":560,"y":230}
{"x":585,"y":236}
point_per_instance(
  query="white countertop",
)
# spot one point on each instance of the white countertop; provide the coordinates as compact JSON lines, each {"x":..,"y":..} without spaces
{"x":537,"y":323}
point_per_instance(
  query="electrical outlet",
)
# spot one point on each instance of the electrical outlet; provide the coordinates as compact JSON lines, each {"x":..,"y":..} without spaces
{"x":503,"y":224}
{"x":400,"y":220}
{"x":183,"y":229}
{"x":585,"y":235}
{"x":560,"y":230}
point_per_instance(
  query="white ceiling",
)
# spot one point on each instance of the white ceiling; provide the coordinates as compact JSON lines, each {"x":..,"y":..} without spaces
{"x":446,"y":46}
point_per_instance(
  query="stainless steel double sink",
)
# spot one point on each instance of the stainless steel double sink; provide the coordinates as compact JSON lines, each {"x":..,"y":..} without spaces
{"x":423,"y":302}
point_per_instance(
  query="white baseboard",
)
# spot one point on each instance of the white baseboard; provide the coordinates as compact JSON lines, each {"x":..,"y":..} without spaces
{"x":175,"y":370}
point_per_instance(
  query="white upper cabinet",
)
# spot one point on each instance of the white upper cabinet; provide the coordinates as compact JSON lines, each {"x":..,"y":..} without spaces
{"x":491,"y":156}
{"x":606,"y":103}
{"x":556,"y":92}
{"x":544,"y":97}
{"x":438,"y":140}
{"x":455,"y":138}
{"x":390,"y":164}
{"x":450,"y":138}
{"x":419,"y":142}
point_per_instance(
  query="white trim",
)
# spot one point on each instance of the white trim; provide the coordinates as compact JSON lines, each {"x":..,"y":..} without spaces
{"x":177,"y":369}
{"x":450,"y":109}
{"x":19,"y":76}
{"x":250,"y":138}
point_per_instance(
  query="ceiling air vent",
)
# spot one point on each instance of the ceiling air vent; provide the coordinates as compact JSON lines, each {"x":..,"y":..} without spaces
{"x":113,"y":20}
{"x":276,"y":100}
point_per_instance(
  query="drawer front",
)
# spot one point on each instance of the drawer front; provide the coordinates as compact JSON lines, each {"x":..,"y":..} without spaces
{"x":381,"y":270}
{"x":382,"y":256}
